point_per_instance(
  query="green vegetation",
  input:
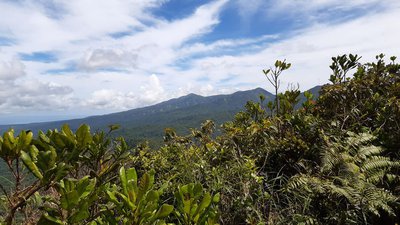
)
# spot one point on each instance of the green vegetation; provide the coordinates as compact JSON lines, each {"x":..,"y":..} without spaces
{"x":335,"y":160}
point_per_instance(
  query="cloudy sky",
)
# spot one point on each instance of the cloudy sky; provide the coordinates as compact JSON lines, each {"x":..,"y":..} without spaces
{"x":70,"y":58}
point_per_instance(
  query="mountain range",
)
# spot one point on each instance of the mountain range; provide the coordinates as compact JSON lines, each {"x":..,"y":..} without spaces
{"x":148,"y":123}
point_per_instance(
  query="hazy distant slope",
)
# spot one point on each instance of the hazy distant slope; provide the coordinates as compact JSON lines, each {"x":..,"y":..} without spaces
{"x":149,"y":122}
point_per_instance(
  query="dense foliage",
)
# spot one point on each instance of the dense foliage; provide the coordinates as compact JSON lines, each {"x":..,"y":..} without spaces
{"x":336,"y":160}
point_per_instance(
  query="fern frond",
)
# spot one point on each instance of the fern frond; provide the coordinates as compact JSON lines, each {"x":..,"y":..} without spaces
{"x":330,"y":158}
{"x":347,"y":192}
{"x":377,"y":162}
{"x":370,"y":150}
{"x":359,"y":139}
{"x":298,"y":182}
{"x":377,"y":198}
{"x":376,"y":176}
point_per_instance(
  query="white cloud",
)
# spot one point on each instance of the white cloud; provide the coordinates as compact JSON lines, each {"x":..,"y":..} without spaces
{"x":310,"y":52}
{"x":11,"y":70}
{"x":175,"y":33}
{"x":19,"y":93}
{"x":157,"y":45}
{"x":79,"y":20}
{"x":34,"y":95}
{"x":309,"y":11}
{"x":107,"y":98}
{"x":108,"y":58}
{"x":152,"y":91}
{"x":207,"y":89}
{"x":224,"y":44}
{"x":111,"y":99}
{"x":314,"y":5}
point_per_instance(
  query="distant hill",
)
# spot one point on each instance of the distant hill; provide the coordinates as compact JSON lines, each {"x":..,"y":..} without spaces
{"x":148,"y":123}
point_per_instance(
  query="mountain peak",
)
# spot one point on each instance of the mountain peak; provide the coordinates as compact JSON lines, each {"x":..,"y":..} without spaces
{"x":192,"y":95}
{"x":259,"y":89}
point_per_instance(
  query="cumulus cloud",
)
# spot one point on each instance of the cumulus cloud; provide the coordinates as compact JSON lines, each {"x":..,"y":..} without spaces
{"x":21,"y":93}
{"x":36,"y":96}
{"x":152,"y":91}
{"x":11,"y":70}
{"x":111,"y":99}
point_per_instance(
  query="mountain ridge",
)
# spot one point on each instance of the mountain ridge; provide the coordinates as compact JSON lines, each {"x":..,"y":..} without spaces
{"x":148,"y":123}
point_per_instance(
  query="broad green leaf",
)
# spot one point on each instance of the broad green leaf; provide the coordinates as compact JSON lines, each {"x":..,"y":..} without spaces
{"x":8,"y":143}
{"x":69,"y":200}
{"x":44,"y":160}
{"x":126,"y":201}
{"x":124,"y":182}
{"x":204,"y":203}
{"x":85,"y":186}
{"x":144,"y":185}
{"x":185,"y":189}
{"x":33,"y":152}
{"x":197,"y":190}
{"x":152,"y":196}
{"x":31,"y":165}
{"x":60,"y":140}
{"x":80,"y":214}
{"x":164,"y":211}
{"x":131,"y":174}
{"x":112,"y":197}
{"x":187,"y":205}
{"x":67,"y":131}
{"x":83,"y":135}
{"x":44,"y":138}
{"x":24,"y":139}
{"x":132,"y":190}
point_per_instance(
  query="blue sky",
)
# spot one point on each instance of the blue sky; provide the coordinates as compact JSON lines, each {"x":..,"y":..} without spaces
{"x":66,"y":59}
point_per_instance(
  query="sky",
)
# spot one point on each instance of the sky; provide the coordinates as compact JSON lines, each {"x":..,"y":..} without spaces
{"x":75,"y":58}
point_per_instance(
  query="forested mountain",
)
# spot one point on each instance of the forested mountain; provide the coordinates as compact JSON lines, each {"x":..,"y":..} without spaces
{"x":148,"y":123}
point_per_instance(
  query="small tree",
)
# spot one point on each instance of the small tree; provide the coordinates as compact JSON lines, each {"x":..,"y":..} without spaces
{"x":273,"y":74}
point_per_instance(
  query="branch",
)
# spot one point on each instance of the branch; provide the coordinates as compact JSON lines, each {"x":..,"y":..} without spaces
{"x":270,"y":80}
{"x":5,"y":193}
{"x":18,"y":177}
{"x":11,"y":169}
{"x":36,"y":186}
